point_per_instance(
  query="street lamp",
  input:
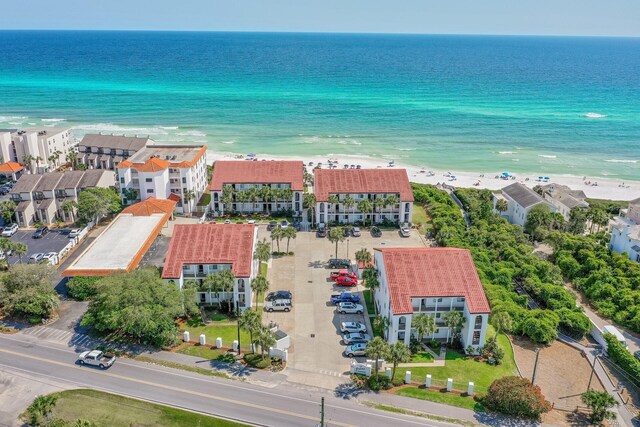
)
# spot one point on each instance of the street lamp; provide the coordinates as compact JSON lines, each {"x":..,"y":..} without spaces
{"x":347,"y":248}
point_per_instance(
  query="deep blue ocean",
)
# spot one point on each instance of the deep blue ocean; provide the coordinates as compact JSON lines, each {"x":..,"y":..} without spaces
{"x":556,"y":105}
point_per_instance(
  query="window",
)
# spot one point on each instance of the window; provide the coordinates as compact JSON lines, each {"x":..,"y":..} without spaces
{"x":149,"y":190}
{"x":402,"y":323}
{"x":184,"y":179}
{"x":148,"y":180}
{"x":460,"y":299}
{"x":437,"y":300}
{"x":122,"y":180}
{"x":321,"y":207}
{"x":478,"y":324}
{"x":438,"y":315}
{"x":476,"y":338}
{"x":406,"y":207}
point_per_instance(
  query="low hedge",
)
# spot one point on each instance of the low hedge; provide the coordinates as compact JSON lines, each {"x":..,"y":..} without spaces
{"x":623,"y":358}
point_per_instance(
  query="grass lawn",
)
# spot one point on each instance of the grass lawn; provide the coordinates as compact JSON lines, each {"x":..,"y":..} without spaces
{"x":107,"y":409}
{"x":452,"y":399}
{"x":205,"y":352}
{"x":420,"y":217}
{"x":228,"y":333}
{"x":263,"y":269}
{"x":421,"y":357}
{"x":462,"y":369}
{"x":368,"y":299}
{"x":205,"y":199}
{"x":216,"y":316}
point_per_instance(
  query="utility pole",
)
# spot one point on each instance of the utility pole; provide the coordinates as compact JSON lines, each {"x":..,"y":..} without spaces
{"x":593,"y":368}
{"x":347,"y":248}
{"x":321,"y":413}
{"x":535,"y":367}
{"x":238,"y":314}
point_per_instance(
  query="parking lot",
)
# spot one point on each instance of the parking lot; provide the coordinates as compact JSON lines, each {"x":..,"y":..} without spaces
{"x":313,"y":323}
{"x":54,"y":241}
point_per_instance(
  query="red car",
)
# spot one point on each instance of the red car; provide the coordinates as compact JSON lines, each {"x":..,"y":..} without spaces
{"x":346,"y":281}
{"x":342,"y":273}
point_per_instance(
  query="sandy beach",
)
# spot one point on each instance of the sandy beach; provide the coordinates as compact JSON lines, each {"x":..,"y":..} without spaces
{"x":605,"y":189}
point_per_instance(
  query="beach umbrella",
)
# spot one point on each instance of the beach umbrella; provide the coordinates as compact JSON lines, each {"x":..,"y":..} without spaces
{"x":251,"y":155}
{"x":506,"y":174}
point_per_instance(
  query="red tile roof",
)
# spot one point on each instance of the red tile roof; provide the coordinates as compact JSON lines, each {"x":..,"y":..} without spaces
{"x":151,"y":206}
{"x":262,"y":172}
{"x":210,"y":244}
{"x":362,"y":181}
{"x":11,"y":167}
{"x":174,"y":197}
{"x":432,"y":272}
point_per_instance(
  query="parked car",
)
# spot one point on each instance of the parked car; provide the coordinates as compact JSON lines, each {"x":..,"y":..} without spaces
{"x":350,"y":308}
{"x":74,"y":233}
{"x":637,"y":354}
{"x":227,"y":221}
{"x":278,"y":305}
{"x":51,"y":257}
{"x":376,"y":232}
{"x":346,"y":281}
{"x":322,"y":231}
{"x":9,"y":230}
{"x":335,"y":274}
{"x":272,"y":225}
{"x":350,"y":327}
{"x":355,"y":231}
{"x":338,"y":263}
{"x":36,"y":258}
{"x":358,"y":349}
{"x":346,"y":231}
{"x":40,"y":232}
{"x":405,"y":231}
{"x":276,"y":295}
{"x":4,"y":190}
{"x":356,"y":337}
{"x":284,"y":224}
{"x":96,"y":358}
{"x":344,"y":297}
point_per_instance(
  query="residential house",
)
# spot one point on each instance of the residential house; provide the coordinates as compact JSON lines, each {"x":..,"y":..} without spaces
{"x":197,"y":250}
{"x":43,"y":148}
{"x":40,"y":197}
{"x":520,"y":200}
{"x":124,"y":242}
{"x":98,"y":151}
{"x":625,"y":231}
{"x":283,"y":178}
{"x":387,"y":190}
{"x":564,"y":199}
{"x":178,"y":172}
{"x":433,"y":281}
{"x":12,"y":170}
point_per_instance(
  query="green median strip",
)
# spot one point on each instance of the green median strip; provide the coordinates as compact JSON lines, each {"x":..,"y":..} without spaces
{"x":419,"y":414}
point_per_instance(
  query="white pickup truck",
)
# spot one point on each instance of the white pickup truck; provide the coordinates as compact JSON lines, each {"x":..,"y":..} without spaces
{"x":96,"y":358}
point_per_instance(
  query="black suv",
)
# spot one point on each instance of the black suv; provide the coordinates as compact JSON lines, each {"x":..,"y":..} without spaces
{"x":41,"y":231}
{"x":339,"y":263}
{"x":272,"y":225}
{"x":272,"y":296}
{"x":375,"y":232}
{"x":322,"y":231}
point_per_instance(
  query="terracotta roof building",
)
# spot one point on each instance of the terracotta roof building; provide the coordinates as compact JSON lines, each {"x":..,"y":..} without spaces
{"x":197,"y":250}
{"x":388,"y":192}
{"x":12,"y":170}
{"x":283,"y":178}
{"x":123,"y":243}
{"x":432,"y":281}
{"x":176,"y":172}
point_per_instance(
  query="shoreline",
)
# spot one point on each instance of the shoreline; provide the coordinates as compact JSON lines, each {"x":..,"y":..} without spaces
{"x":607,"y":189}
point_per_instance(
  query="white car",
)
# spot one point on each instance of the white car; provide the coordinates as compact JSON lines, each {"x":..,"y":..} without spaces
{"x":349,"y":327}
{"x":358,"y":349}
{"x":349,"y":307}
{"x":51,"y":257}
{"x":356,"y":337}
{"x":405,"y":231}
{"x":74,"y":233}
{"x":10,"y":230}
{"x":36,"y":258}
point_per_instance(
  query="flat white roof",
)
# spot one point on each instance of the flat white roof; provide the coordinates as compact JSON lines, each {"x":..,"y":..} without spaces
{"x":119,"y":243}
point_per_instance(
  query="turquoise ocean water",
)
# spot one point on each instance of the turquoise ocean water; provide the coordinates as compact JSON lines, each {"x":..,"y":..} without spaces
{"x":548,"y":105}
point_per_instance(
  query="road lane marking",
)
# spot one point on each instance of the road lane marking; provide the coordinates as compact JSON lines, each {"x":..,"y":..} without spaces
{"x":172,"y":388}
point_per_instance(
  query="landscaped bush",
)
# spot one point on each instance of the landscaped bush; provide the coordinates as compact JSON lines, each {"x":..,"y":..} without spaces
{"x":623,"y":358}
{"x":516,"y":396}
{"x":81,"y":288}
{"x":379,"y":382}
{"x":255,"y":360}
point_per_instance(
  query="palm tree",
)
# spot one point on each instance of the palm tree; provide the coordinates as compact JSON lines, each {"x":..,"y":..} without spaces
{"x":501,"y":321}
{"x":227,"y":197}
{"x":600,"y":403}
{"x":333,"y":200}
{"x":253,"y":195}
{"x":424,"y":324}
{"x":37,"y":159}
{"x":6,"y":245}
{"x":260,"y":285}
{"x":336,"y":235}
{"x":267,"y":195}
{"x":289,"y":233}
{"x":19,"y":249}
{"x":242,"y":197}
{"x":454,"y":321}
{"x":221,"y":282}
{"x":69,"y":207}
{"x":365,"y":207}
{"x":363,"y":256}
{"x":277,"y":234}
{"x":72,"y":157}
{"x":349,"y":202}
{"x":40,"y":409}
{"x":251,"y":322}
{"x":378,"y":204}
{"x":287,"y":195}
{"x":131,"y":194}
{"x":391,"y":201}
{"x":398,"y":353}
{"x":377,"y":349}
{"x":188,"y":196}
{"x":502,"y":206}
{"x":28,"y":159}
{"x":277,"y":195}
{"x":309,"y":202}
{"x":382,"y":324}
{"x":263,"y":251}
{"x":265,"y":339}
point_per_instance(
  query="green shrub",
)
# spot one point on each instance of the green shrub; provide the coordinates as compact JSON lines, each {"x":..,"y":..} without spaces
{"x":81,"y":288}
{"x":517,"y":397}
{"x":623,"y":358}
{"x":379,"y":382}
{"x":255,"y":360}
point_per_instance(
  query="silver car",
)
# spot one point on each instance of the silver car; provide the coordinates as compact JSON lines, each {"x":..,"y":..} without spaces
{"x":405,"y":231}
{"x":278,"y":305}
{"x":349,"y":327}
{"x":355,"y":232}
{"x":350,"y":308}
{"x":10,"y":230}
{"x":356,"y":337}
{"x":356,"y":350}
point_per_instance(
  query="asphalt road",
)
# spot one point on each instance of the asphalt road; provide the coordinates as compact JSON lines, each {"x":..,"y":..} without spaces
{"x":276,"y":406}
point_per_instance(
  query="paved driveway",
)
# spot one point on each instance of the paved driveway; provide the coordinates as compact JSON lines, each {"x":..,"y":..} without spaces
{"x":53,"y":241}
{"x":313,"y":323}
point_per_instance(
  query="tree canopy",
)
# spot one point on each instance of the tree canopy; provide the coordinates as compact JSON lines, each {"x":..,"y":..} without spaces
{"x":26,"y":290}
{"x":94,"y":203}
